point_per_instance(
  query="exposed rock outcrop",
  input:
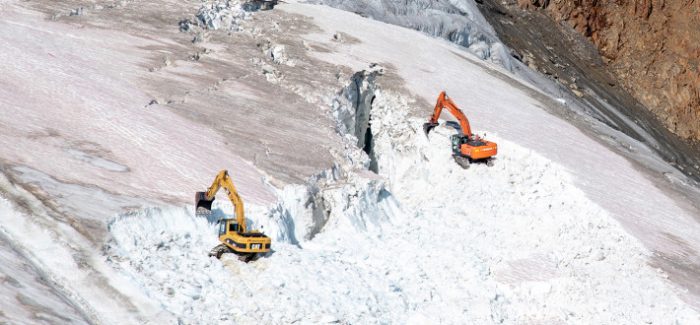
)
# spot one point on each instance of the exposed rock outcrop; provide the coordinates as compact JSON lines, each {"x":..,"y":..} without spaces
{"x":652,"y":46}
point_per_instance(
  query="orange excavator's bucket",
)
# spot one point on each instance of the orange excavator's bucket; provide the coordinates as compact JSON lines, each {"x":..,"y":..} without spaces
{"x":427,"y":127}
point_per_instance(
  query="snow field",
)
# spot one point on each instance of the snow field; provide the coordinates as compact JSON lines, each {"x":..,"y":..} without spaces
{"x":62,"y":259}
{"x":422,"y":242}
{"x":15,"y":273}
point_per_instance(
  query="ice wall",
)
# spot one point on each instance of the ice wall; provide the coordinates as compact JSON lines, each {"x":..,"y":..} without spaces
{"x":458,"y":21}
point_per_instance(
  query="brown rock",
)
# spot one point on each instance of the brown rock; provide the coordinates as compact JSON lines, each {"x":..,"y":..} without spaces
{"x":652,"y":46}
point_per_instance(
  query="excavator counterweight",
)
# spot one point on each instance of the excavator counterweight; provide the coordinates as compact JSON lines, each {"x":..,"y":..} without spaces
{"x":466,"y":147}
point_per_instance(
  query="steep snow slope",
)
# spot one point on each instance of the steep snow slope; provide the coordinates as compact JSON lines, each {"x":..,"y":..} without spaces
{"x":76,"y":135}
{"x":22,"y":301}
{"x":86,"y":126}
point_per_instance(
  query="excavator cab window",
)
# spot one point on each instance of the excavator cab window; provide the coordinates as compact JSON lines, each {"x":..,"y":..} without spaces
{"x":233,"y":227}
{"x":456,"y":142}
{"x":222,"y":227}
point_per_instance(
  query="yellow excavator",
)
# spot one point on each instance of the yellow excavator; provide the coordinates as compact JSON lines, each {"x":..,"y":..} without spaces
{"x":233,"y":233}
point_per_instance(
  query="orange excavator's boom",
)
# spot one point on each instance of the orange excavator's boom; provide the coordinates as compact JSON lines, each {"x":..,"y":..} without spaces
{"x":445,"y":102}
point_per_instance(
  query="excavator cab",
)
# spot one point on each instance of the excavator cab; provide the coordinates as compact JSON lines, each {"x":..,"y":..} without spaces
{"x":466,"y":150}
{"x":225,"y":227}
{"x":245,"y":244}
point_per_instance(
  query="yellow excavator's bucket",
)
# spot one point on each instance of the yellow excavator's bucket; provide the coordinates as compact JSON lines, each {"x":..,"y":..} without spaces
{"x":201,"y":204}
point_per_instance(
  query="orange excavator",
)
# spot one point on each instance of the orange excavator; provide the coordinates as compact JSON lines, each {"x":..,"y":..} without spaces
{"x":466,"y":147}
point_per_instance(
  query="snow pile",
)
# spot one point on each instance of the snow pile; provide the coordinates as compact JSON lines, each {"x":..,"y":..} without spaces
{"x":277,"y":53}
{"x":546,"y":253}
{"x":458,"y":21}
{"x":336,"y":199}
{"x":220,"y":14}
{"x":165,"y":252}
{"x":225,"y":14}
{"x":155,"y":242}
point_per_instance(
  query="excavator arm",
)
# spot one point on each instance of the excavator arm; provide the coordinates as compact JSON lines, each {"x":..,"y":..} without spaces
{"x":205,"y":199}
{"x":445,"y":102}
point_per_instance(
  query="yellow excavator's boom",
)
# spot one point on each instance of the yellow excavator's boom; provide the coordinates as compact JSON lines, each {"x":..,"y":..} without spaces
{"x":224,"y":180}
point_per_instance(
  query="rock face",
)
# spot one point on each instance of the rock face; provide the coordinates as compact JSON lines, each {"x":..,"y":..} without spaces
{"x":652,"y":46}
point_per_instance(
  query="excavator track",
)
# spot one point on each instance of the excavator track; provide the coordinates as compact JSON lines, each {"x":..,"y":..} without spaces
{"x":222,"y":249}
{"x":462,"y":161}
{"x":247,"y":257}
{"x":219,"y":250}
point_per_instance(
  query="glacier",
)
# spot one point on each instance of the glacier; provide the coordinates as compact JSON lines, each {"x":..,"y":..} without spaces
{"x":317,"y":113}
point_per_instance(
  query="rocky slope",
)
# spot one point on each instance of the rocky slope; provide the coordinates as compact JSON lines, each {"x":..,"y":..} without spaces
{"x":652,"y":47}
